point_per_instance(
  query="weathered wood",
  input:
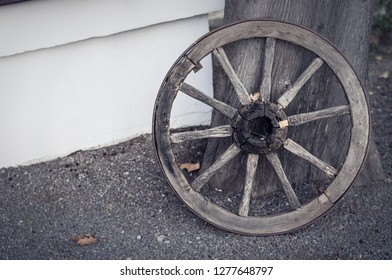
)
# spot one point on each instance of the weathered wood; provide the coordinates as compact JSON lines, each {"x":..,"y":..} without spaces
{"x":292,"y":92}
{"x":251,"y":166}
{"x":298,"y":150}
{"x":347,"y":24}
{"x":320,"y":114}
{"x":256,"y":225}
{"x":225,"y":109}
{"x":202,"y":179}
{"x":239,"y":88}
{"x":199,"y":202}
{"x":283,"y":124}
{"x":215,"y":132}
{"x":288,"y":189}
{"x":265,"y":87}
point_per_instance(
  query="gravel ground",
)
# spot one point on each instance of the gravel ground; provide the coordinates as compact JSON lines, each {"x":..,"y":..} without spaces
{"x":119,"y":195}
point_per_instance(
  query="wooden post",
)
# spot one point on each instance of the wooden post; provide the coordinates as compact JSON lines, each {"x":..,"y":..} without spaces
{"x":344,"y":23}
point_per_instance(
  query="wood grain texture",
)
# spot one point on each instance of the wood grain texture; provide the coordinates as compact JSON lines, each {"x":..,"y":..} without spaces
{"x":317,"y":115}
{"x":298,"y":150}
{"x":239,"y":88}
{"x":265,"y":87}
{"x":202,"y":179}
{"x":251,"y":167}
{"x":215,"y":132}
{"x":292,"y":92}
{"x":288,"y":189}
{"x":225,"y":109}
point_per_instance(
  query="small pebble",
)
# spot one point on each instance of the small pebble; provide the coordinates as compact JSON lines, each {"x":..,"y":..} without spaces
{"x":160,"y":238}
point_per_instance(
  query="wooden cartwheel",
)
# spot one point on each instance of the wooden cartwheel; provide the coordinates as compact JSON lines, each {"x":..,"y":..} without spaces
{"x":274,"y":136}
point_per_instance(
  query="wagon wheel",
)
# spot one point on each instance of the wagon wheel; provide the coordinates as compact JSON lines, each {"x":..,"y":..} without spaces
{"x":239,"y":129}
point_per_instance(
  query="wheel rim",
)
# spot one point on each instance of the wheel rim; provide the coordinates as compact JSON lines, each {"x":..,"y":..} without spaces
{"x":301,"y":214}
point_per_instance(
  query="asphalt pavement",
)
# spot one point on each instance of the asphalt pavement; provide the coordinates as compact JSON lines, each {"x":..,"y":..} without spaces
{"x":119,"y":195}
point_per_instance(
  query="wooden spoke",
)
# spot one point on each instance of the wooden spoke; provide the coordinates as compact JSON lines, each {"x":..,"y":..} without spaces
{"x":291,"y":93}
{"x":316,"y":115}
{"x":265,"y":87}
{"x":251,"y":167}
{"x":288,"y":189}
{"x":239,"y":88}
{"x":228,"y":155}
{"x":222,"y":107}
{"x":215,"y":132}
{"x":298,"y":150}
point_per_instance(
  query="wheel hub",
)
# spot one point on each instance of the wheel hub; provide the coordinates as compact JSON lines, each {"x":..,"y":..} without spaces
{"x":260,"y":127}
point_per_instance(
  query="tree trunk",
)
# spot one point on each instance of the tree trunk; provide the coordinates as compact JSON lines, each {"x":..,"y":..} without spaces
{"x":347,"y":25}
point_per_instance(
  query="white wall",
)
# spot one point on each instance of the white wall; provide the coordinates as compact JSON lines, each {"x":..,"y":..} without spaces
{"x":61,"y":92}
{"x":46,"y":23}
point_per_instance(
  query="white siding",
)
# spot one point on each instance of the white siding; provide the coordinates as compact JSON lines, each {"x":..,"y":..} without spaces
{"x":94,"y":92}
